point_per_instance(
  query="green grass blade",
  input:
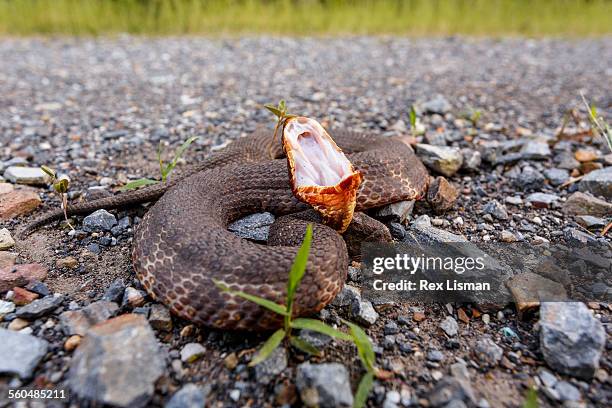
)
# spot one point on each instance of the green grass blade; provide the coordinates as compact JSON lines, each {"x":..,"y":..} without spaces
{"x":137,"y":184}
{"x":299,"y":266}
{"x":162,"y":169}
{"x":268,"y":304}
{"x":413,"y":118}
{"x":179,"y":153}
{"x":48,"y":171}
{"x":531,"y":399}
{"x":364,"y":346}
{"x":319,"y":327}
{"x":269,"y":346}
{"x":364,"y":388}
{"x":274,"y":110}
{"x":304,"y":346}
{"x":593,"y":110}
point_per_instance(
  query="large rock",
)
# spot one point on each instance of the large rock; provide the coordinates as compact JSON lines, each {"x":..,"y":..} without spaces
{"x":571,"y":339}
{"x":556,"y":176}
{"x":585,"y":204}
{"x":598,"y":182}
{"x":117,"y":363}
{"x":528,"y":179}
{"x":398,"y":212}
{"x":100,"y":220}
{"x":441,"y":194}
{"x":115,"y":291}
{"x":21,"y":275}
{"x":541,"y":200}
{"x":20,"y":353}
{"x":40,"y":307}
{"x":528,"y":288}
{"x":324,"y":385}
{"x":426,"y":239}
{"x":535,"y":151}
{"x":254,"y":226}
{"x":33,"y":176}
{"x":79,"y":321}
{"x":444,"y":160}
{"x":439,"y":104}
{"x":17,"y":203}
{"x":422,"y":232}
{"x":363,"y":312}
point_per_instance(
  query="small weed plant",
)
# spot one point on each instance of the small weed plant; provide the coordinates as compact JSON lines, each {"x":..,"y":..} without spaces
{"x":473,"y":115}
{"x":282,"y":116}
{"x":164,"y":169}
{"x":356,"y":335}
{"x":61,"y":185}
{"x":531,"y":399}
{"x":416,"y":127}
{"x":598,"y":124}
{"x":295,"y":276}
{"x":368,"y":361}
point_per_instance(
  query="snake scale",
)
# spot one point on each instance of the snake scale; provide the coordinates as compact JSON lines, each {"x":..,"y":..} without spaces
{"x":183,"y":243}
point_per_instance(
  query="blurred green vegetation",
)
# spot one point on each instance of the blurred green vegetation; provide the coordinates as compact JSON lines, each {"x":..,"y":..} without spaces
{"x":307,"y":17}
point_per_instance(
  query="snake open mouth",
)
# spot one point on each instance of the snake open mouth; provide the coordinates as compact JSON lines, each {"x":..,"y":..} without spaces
{"x":320,"y":173}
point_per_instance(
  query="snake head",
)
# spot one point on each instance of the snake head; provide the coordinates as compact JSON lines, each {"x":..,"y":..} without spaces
{"x":320,"y":173}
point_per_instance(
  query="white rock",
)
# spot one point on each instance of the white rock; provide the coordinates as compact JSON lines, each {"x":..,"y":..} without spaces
{"x":26,"y":175}
{"x":6,"y":240}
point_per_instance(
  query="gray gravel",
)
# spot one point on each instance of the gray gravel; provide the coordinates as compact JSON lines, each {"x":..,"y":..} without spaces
{"x":96,"y":110}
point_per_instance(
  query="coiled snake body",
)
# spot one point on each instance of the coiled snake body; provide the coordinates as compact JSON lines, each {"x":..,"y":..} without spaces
{"x":182,"y":242}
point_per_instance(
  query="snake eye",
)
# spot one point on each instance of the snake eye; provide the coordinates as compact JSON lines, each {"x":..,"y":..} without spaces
{"x":321,"y":174}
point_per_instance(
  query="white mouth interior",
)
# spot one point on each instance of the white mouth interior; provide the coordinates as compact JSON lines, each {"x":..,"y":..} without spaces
{"x":317,"y":162}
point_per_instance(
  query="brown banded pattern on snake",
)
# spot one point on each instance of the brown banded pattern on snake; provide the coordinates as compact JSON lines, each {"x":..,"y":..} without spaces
{"x":183,"y":243}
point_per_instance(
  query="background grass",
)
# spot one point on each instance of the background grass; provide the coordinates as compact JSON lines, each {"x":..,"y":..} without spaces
{"x":307,"y":17}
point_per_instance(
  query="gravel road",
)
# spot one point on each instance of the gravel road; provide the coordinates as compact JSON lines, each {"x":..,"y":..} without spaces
{"x":96,"y":109}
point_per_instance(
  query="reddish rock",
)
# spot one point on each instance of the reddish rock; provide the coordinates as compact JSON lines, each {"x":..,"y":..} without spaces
{"x":23,"y":297}
{"x":441,"y":194}
{"x":7,"y":259}
{"x":584,"y":155}
{"x":585,"y":204}
{"x":21,"y":275}
{"x":586,"y":168}
{"x":461,"y":315}
{"x":418,"y":316}
{"x":79,"y":321}
{"x":72,"y":342}
{"x":18,"y":202}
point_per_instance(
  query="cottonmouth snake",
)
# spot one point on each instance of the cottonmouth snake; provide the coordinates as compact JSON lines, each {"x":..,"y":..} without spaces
{"x":182,"y":242}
